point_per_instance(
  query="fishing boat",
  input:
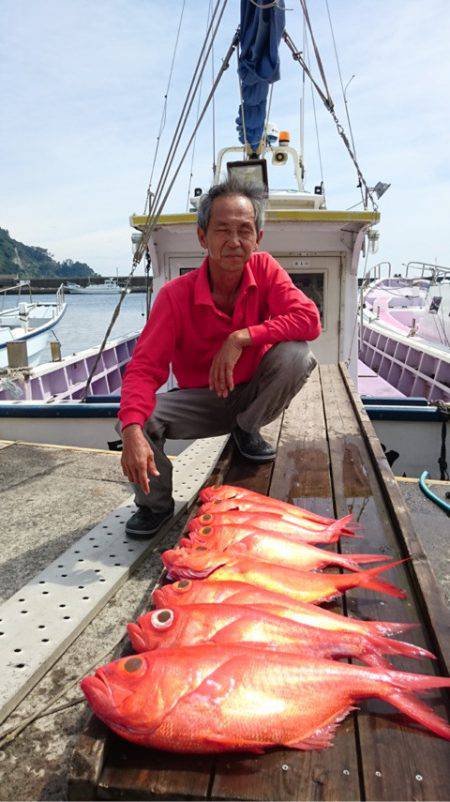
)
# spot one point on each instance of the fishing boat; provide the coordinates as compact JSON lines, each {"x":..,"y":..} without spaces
{"x":404,"y":344}
{"x":328,"y":459}
{"x":29,"y":322}
{"x":319,"y":247}
{"x":109,"y":287}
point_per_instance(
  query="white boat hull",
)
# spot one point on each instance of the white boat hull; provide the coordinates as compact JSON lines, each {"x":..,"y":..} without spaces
{"x":36,"y":340}
{"x":411,"y":445}
{"x":94,"y":291}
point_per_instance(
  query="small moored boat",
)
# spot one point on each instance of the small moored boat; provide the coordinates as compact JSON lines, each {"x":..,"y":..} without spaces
{"x":30,"y":321}
{"x":109,"y":287}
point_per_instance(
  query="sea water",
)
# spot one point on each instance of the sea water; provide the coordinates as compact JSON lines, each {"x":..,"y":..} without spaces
{"x":87,"y":318}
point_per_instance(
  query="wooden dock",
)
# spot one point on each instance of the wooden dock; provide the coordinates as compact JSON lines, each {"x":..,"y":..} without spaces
{"x":330,"y":461}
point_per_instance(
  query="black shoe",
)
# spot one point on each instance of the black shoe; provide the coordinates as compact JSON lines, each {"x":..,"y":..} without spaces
{"x":252,"y":446}
{"x":145,"y":523}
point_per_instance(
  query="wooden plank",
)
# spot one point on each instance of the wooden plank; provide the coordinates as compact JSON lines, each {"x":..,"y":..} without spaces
{"x":432,"y":603}
{"x":97,"y":758}
{"x":416,"y":772}
{"x":134,"y":773}
{"x":87,"y":760}
{"x":301,"y":475}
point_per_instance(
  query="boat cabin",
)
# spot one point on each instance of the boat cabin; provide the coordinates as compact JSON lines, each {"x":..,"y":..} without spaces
{"x":318,"y":247}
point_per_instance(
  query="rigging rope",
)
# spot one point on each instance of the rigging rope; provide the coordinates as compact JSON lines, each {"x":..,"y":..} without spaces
{"x":244,"y":130}
{"x":149,"y":228}
{"x":191,"y":171}
{"x":340,"y":76}
{"x":213,"y":112}
{"x":164,"y":110}
{"x":315,"y":118}
{"x":266,"y":122}
{"x":302,"y":103}
{"x":316,"y":50}
{"x":192,"y":91}
{"x":344,"y":97}
{"x":297,"y":56}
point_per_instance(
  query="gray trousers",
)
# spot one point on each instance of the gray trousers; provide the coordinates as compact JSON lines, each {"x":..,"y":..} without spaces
{"x":199,"y":412}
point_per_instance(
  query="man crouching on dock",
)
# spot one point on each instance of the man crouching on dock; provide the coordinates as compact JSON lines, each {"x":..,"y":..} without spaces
{"x":235,"y":332}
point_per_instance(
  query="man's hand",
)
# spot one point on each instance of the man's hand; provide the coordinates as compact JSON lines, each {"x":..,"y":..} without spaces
{"x":221,"y":377}
{"x":137,"y":457}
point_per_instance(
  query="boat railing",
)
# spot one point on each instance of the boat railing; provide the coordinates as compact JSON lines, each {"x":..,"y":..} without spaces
{"x":380,"y":270}
{"x":18,"y":286}
{"x":428,"y":270}
{"x":60,"y":297}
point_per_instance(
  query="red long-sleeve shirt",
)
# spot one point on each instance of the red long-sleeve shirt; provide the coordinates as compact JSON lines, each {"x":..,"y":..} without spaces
{"x":186,"y":329}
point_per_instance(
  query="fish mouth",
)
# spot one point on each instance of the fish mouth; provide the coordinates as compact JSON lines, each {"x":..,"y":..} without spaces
{"x":138,"y":641}
{"x":177,"y":572}
{"x":105,"y":698}
{"x":97,"y":690}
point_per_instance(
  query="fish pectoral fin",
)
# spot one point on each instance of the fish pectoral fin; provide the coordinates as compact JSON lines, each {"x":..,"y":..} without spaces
{"x":323,"y":737}
{"x":214,"y":688}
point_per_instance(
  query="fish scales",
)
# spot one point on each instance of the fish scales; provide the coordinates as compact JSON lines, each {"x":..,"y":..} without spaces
{"x":191,"y":591}
{"x":237,"y":698}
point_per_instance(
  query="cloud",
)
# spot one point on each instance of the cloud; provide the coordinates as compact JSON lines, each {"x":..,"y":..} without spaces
{"x":82,"y":89}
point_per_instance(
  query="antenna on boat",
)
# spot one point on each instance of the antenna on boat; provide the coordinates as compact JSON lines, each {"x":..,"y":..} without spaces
{"x":324,"y":94}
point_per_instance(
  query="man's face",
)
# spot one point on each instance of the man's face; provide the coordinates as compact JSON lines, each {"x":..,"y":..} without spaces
{"x":231,"y":236}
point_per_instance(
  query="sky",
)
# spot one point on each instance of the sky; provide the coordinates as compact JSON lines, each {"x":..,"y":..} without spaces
{"x":82,"y":86}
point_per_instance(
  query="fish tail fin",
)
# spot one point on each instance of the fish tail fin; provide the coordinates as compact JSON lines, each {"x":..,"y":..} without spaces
{"x":375,"y":660}
{"x":414,"y":708}
{"x":400,"y":647}
{"x":341,"y":527}
{"x":368,"y":579}
{"x":415,"y":683}
{"x":349,"y":526}
{"x":333,"y":531}
{"x":367,"y":558}
{"x":351,"y":561}
{"x":389,"y":627}
{"x":345,"y":561}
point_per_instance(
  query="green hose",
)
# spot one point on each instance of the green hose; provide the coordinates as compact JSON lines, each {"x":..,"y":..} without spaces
{"x":425,"y":489}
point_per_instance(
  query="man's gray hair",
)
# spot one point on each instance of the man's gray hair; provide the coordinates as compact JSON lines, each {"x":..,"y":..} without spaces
{"x":254,"y":192}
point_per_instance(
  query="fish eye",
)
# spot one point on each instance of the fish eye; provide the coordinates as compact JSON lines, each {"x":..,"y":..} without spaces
{"x":162,"y":619}
{"x":206,"y":530}
{"x":183,"y":585}
{"x":133,"y":664}
{"x":206,"y":517}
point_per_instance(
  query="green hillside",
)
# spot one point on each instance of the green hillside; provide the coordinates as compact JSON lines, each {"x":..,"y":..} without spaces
{"x":29,"y":261}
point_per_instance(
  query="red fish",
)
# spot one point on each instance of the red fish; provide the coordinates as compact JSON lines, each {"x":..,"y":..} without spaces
{"x":220,"y":493}
{"x":274,"y":548}
{"x":270,"y":522}
{"x":188,"y":591}
{"x":310,"y":587}
{"x":227,"y":623}
{"x":290,"y":513}
{"x":235,"y":698}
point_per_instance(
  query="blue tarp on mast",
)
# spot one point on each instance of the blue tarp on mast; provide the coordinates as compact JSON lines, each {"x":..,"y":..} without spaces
{"x":259,"y":63}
